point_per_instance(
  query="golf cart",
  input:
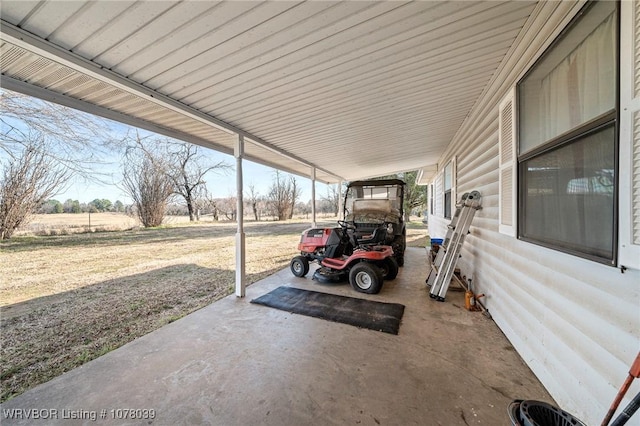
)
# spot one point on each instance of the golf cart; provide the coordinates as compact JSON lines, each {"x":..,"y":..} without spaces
{"x":374,"y":209}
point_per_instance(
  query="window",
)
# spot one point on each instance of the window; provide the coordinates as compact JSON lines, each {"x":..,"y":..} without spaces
{"x":447,"y":191}
{"x":567,"y":140}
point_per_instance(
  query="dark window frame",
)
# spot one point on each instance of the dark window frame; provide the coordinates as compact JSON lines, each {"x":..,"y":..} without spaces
{"x":575,"y":135}
{"x":446,"y":195}
{"x":447,"y":204}
{"x":432,"y":196}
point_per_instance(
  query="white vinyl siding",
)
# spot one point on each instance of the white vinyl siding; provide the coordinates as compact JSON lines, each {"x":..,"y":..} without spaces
{"x":508,"y":169}
{"x":575,"y":322}
{"x":635,"y":173}
{"x":629,"y":230}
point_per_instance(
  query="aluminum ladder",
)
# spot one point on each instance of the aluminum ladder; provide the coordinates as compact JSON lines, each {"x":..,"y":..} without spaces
{"x":444,"y":265}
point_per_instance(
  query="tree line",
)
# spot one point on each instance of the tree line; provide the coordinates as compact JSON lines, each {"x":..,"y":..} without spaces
{"x":54,"y":206}
{"x":256,"y":206}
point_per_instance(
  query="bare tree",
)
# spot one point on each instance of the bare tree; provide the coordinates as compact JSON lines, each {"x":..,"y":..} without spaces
{"x":146,"y":179}
{"x":187,"y":173}
{"x":282,"y":196}
{"x":294,"y":194}
{"x":183,"y":166}
{"x":332,"y":199}
{"x":278,"y":197}
{"x":254,"y":199}
{"x":29,"y":177}
{"x":325,"y":207}
{"x":304,"y":208}
{"x":46,"y":144}
{"x":208,"y":204}
{"x":75,"y":140}
{"x":228,"y":206}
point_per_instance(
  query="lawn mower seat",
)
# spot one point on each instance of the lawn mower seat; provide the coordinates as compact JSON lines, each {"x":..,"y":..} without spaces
{"x":339,"y":243}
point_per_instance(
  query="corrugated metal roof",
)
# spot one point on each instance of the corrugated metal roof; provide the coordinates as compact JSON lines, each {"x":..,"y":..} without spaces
{"x":355,"y":89}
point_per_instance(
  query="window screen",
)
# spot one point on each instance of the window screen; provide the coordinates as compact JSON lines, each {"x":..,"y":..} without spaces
{"x":570,"y":195}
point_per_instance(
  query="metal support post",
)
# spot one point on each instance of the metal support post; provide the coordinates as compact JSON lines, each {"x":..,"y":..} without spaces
{"x":240,"y":237}
{"x":313,"y":197}
{"x":340,"y":204}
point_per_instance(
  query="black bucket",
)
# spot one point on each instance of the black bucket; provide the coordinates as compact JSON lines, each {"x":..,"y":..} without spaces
{"x":537,"y":413}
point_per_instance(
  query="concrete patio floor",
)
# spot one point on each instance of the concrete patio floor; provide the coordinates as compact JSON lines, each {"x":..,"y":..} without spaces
{"x":238,"y":363}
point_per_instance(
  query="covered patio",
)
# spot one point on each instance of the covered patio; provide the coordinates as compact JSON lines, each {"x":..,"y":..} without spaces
{"x":339,"y":91}
{"x":234,"y":362}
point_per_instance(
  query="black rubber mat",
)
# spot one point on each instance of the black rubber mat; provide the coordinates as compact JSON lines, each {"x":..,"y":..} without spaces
{"x":363,"y":313}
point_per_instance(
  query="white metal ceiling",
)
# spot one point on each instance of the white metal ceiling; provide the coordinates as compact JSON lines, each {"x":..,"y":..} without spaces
{"x":355,"y":89}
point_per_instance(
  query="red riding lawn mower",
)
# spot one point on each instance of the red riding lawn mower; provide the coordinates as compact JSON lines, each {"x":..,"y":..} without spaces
{"x":369,"y":244}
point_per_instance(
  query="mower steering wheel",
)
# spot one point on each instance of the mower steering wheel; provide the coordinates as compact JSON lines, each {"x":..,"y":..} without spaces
{"x":346,"y":225}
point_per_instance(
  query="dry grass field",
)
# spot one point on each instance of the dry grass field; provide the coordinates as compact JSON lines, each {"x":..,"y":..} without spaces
{"x":67,"y":299}
{"x":73,"y":223}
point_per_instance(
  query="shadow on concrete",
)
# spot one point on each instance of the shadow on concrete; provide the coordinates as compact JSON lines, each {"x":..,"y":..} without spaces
{"x":46,"y":336}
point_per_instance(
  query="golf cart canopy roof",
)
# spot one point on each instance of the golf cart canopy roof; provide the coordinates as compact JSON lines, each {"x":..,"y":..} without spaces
{"x":381,"y":182}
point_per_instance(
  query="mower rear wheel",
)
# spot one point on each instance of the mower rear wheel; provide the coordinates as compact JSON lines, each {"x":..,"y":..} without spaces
{"x":399,"y":245}
{"x":389,"y":268}
{"x":366,"y":278}
{"x":299,"y":266}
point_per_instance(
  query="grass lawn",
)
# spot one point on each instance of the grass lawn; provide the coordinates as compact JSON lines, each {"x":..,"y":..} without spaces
{"x":67,"y":299}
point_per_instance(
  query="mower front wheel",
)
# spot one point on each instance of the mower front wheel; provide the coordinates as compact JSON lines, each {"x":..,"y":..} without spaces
{"x":366,"y":278}
{"x":299,"y":266}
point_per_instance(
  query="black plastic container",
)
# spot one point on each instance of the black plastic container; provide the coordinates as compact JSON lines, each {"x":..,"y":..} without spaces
{"x":538,"y":413}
